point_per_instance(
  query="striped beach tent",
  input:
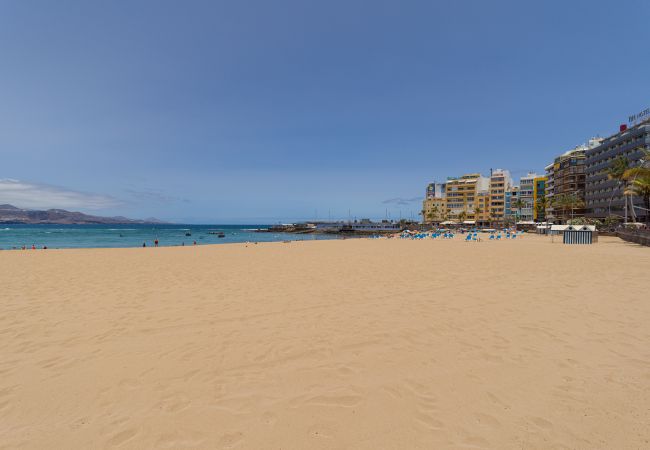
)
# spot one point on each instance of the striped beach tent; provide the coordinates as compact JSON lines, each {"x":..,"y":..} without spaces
{"x":579,"y":234}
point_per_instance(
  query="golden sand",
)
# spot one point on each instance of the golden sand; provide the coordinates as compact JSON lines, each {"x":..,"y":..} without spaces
{"x":360,"y":344}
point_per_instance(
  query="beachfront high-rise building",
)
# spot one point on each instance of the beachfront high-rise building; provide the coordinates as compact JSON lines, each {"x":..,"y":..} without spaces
{"x":550,"y":180}
{"x":435,"y":190}
{"x":482,"y":209}
{"x":434,"y":205}
{"x":566,"y":179}
{"x":511,"y":212}
{"x":434,"y":210}
{"x":462,"y":193}
{"x":526,"y":196}
{"x":604,"y":197}
{"x":539,"y":199}
{"x":500,"y":182}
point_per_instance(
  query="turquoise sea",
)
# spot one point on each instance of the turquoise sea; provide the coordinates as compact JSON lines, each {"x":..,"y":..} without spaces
{"x":106,"y":236}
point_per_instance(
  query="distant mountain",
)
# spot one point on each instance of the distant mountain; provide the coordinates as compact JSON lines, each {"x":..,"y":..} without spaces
{"x":11,"y":214}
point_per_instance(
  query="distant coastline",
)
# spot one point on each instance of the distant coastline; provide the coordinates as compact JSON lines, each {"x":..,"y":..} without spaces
{"x":12,"y":215}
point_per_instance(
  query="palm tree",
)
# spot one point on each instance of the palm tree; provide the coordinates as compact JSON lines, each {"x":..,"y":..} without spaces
{"x":519,"y":203}
{"x":559,"y":202}
{"x":644,"y":161}
{"x":477,"y":211}
{"x":433,"y":213}
{"x":568,"y":201}
{"x":462,"y":216}
{"x":542,"y":204}
{"x":563,"y":202}
{"x":574,"y":202}
{"x":616,"y":171}
{"x":639,"y":185}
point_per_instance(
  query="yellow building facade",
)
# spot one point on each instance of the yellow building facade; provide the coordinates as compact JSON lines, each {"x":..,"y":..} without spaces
{"x":500,"y":182}
{"x":464,"y":194}
{"x":434,"y":210}
{"x":540,"y":203}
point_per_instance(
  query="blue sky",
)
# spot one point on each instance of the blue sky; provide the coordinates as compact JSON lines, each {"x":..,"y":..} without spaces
{"x":257,"y":111}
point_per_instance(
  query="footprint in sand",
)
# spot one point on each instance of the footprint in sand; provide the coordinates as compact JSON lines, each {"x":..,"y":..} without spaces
{"x":80,"y":422}
{"x":347,"y":401}
{"x":129,"y":383}
{"x":175,"y":403}
{"x":542,"y":423}
{"x":426,"y":410}
{"x":122,"y":437}
{"x":476,"y":441}
{"x":487,"y":420}
{"x":269,"y":418}
{"x":177,"y":440}
{"x":229,"y":440}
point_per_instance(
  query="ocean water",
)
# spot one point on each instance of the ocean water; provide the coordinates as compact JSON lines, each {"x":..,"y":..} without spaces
{"x":113,"y":236}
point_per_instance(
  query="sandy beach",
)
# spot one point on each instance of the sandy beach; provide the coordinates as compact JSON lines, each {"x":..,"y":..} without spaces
{"x":356,"y":344}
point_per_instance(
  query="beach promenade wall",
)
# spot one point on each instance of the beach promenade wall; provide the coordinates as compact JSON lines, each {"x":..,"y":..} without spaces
{"x":640,"y":236}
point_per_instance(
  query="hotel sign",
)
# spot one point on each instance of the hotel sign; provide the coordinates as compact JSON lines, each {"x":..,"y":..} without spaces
{"x":638,"y":117}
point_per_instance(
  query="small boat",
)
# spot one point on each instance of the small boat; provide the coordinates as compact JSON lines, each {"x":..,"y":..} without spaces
{"x":221,"y":235}
{"x":188,"y":234}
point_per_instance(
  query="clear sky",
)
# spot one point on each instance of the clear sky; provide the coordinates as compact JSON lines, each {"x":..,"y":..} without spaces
{"x":261,"y":111}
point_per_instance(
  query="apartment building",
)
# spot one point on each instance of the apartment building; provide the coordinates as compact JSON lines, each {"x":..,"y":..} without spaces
{"x":511,"y":211}
{"x":604,"y":197}
{"x":462,"y":196}
{"x":434,"y":210}
{"x":539,"y":199}
{"x":566,"y":177}
{"x":500,"y":181}
{"x":482,"y":209}
{"x":435,"y":190}
{"x":526,"y":191}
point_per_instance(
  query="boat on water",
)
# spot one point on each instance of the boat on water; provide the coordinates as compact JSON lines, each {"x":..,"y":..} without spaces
{"x":219,"y":234}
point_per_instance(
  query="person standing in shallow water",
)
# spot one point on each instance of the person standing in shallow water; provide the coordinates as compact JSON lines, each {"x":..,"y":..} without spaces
{"x":155,"y":243}
{"x":144,"y":244}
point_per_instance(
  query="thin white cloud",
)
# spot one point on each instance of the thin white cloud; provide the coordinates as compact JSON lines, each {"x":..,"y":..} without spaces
{"x":28,"y":195}
{"x":401,"y":201}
